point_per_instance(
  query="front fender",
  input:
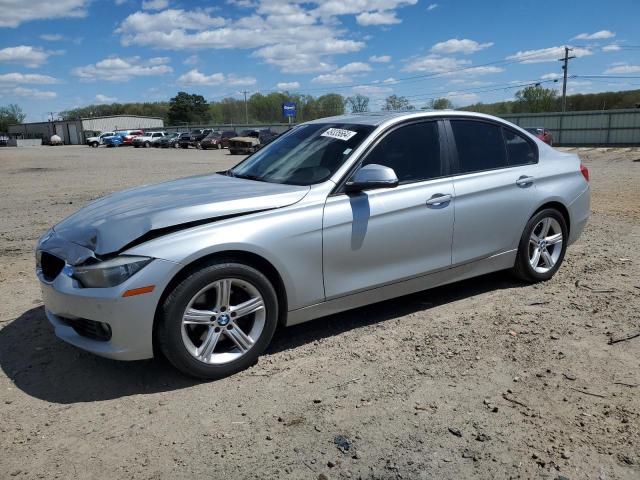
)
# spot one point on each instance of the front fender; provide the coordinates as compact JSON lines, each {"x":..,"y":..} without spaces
{"x":289,"y":238}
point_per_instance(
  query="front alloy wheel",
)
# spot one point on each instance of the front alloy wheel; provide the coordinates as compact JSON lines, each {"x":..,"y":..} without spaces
{"x":218,"y":320}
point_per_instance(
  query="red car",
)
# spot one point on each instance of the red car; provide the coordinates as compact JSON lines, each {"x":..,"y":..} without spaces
{"x":131,"y":134}
{"x":542,"y":133}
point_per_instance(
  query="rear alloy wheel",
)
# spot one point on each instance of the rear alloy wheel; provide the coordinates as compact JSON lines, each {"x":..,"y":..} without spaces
{"x":218,"y":320}
{"x":542,"y":246}
{"x":94,"y":144}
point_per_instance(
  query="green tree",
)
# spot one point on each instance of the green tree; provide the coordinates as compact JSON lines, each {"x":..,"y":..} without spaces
{"x":329,"y":105}
{"x":535,"y":99}
{"x":190,"y":108}
{"x":440,"y":104}
{"x":358,"y":103}
{"x":10,"y":114}
{"x":394,"y":102}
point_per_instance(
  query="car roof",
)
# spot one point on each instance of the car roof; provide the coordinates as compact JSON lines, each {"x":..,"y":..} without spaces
{"x":378,"y":118}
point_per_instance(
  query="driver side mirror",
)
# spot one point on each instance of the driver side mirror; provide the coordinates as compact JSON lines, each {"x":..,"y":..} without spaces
{"x":370,"y":177}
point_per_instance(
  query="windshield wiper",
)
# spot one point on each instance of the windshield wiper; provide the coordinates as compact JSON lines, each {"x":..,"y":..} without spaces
{"x":257,"y":178}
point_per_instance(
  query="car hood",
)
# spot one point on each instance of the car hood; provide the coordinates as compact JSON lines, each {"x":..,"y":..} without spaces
{"x":109,"y":224}
{"x":245,"y":139}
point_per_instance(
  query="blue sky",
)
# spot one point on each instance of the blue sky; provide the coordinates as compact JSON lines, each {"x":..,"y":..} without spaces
{"x":56,"y":55}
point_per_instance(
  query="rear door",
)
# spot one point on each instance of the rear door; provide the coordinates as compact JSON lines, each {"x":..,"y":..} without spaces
{"x":385,"y":235}
{"x":494,"y":181}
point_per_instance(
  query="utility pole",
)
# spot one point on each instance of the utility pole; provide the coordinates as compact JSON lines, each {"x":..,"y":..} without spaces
{"x":51,"y":115}
{"x":246,"y":108}
{"x":565,"y":67}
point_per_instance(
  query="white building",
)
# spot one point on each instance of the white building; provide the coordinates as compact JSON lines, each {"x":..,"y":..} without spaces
{"x":72,"y":132}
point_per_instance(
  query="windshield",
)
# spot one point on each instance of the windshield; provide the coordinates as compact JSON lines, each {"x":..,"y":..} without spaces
{"x":306,"y":155}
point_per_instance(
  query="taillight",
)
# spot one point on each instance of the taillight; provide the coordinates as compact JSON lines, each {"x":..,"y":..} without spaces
{"x":585,"y":172}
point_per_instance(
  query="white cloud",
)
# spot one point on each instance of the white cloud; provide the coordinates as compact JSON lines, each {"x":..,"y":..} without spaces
{"x":329,"y":8}
{"x":432,"y":6}
{"x":481,"y":70}
{"x":16,"y":78}
{"x":464,"y":98}
{"x":611,"y":48}
{"x":51,"y":37}
{"x":624,"y":68}
{"x":377,"y":18}
{"x":380,"y":58}
{"x":372,"y":90}
{"x":154,"y":4}
{"x":550,"y":54}
{"x":24,"y":54}
{"x":295,"y":36}
{"x":456,"y":45}
{"x":354,"y":67}
{"x":33,"y":93}
{"x":342,"y":74}
{"x":390,"y":81}
{"x":599,"y":35}
{"x":288,"y":85}
{"x":331,"y":78}
{"x":194,"y":77}
{"x":116,"y":69}
{"x":191,"y":60}
{"x":16,"y":12}
{"x":551,"y":76}
{"x":435,"y":64}
{"x":100,"y":98}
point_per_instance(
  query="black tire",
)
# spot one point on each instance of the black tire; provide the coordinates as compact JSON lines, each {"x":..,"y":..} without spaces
{"x":184,"y":146}
{"x":522,"y":268}
{"x":232,"y":152}
{"x":169,"y":330}
{"x":95,"y":144}
{"x":147,"y":144}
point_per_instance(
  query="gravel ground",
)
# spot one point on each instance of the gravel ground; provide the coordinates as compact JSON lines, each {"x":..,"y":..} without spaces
{"x":487,"y":378}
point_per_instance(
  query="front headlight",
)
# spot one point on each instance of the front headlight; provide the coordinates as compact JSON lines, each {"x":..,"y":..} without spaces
{"x":110,"y":272}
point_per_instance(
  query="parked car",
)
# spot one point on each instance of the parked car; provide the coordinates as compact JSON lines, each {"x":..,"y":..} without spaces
{"x":334,"y":214}
{"x":226,"y":136}
{"x":121,"y":138}
{"x":169,"y":140}
{"x":250,"y":141}
{"x":194,"y":138}
{"x":128,"y":138}
{"x":542,"y":133}
{"x":98,"y":140}
{"x":215,"y":139}
{"x":4,"y":139}
{"x":115,"y":140}
{"x":147,"y":139}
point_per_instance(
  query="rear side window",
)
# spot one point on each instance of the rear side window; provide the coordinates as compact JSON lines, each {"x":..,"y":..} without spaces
{"x":519,"y":150}
{"x":480,"y":146}
{"x":412,"y":151}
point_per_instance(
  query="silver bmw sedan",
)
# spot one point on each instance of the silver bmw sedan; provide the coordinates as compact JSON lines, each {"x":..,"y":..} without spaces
{"x":335,"y":214}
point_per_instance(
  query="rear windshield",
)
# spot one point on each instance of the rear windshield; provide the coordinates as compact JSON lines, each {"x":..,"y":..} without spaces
{"x":306,"y":155}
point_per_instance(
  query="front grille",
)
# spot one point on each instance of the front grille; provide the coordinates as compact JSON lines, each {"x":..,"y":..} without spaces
{"x":51,"y":266}
{"x":89,"y":328}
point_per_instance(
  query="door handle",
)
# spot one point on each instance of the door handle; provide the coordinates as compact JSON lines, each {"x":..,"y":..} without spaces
{"x":439,"y":199}
{"x":525,"y":181}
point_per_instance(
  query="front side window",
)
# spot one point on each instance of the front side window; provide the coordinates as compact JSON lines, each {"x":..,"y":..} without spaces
{"x":306,"y":155}
{"x":412,"y":151}
{"x":480,"y":145}
{"x":519,"y":149}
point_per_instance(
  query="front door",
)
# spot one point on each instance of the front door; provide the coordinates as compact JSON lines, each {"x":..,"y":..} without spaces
{"x":386,"y":235}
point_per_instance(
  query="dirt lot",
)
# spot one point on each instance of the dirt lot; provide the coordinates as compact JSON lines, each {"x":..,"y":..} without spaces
{"x":488,"y":378}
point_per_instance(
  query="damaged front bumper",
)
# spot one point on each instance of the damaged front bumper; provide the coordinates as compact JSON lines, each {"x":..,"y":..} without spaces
{"x":102,"y":320}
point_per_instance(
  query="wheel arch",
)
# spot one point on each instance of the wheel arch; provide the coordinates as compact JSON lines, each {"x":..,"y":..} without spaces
{"x":560,"y":207}
{"x":249,"y":258}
